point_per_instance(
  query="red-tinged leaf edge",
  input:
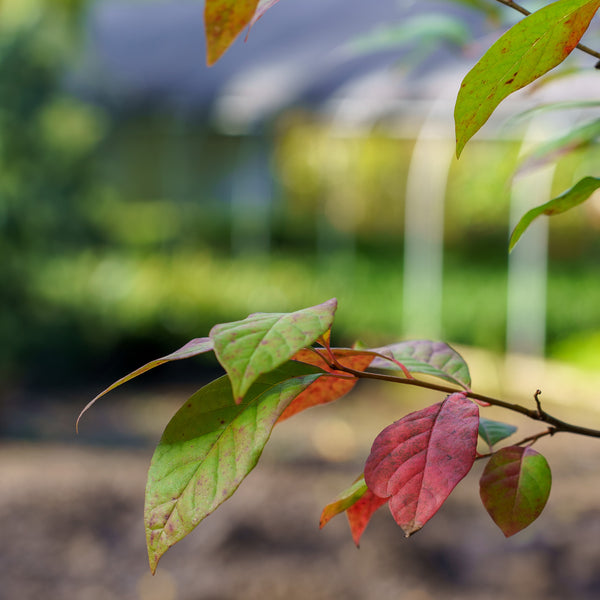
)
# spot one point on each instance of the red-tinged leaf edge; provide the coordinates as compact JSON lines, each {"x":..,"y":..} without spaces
{"x":418,"y":460}
{"x":359,"y":503}
{"x":192,"y":348}
{"x":574,"y":196}
{"x":514,"y":487}
{"x":344,"y":500}
{"x":223,"y":22}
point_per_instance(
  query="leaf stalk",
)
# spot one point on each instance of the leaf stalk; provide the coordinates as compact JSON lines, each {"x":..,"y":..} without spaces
{"x":524,"y":11}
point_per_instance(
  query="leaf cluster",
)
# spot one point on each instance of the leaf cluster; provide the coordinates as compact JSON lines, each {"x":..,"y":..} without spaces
{"x":280,"y":364}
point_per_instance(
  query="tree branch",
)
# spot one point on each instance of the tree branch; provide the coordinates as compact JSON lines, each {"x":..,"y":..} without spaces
{"x":531,"y":439}
{"x":526,"y":12}
{"x":536,"y":414}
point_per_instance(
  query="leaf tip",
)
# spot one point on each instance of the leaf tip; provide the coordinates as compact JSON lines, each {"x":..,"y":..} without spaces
{"x":213,"y":54}
{"x":514,"y":238}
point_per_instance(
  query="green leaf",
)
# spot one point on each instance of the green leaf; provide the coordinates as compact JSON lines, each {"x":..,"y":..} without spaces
{"x":492,"y":432}
{"x":192,"y":348}
{"x":514,"y":487}
{"x":525,"y":52}
{"x":263,"y":341}
{"x":344,"y":501}
{"x":578,"y":194}
{"x":430,"y":358}
{"x":552,"y":107}
{"x":223,"y":21}
{"x":209,"y":447}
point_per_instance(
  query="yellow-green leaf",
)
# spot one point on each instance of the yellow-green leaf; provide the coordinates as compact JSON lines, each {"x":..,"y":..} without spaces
{"x":209,"y":447}
{"x":524,"y":53}
{"x":579,"y":193}
{"x":263,"y":341}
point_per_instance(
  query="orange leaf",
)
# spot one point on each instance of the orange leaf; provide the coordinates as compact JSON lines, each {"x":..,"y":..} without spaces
{"x":326,"y":389}
{"x":223,"y":21}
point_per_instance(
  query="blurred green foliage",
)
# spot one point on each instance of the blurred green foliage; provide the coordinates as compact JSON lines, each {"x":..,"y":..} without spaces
{"x":47,"y":141}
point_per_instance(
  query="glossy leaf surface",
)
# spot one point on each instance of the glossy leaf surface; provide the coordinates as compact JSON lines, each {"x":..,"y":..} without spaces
{"x":514,"y":487}
{"x":209,"y":447}
{"x":525,"y":52}
{"x":223,"y":21}
{"x":492,"y":432}
{"x":418,"y":460}
{"x":427,"y":357}
{"x":578,"y":194}
{"x":192,"y":348}
{"x":263,"y":341}
{"x":326,"y":389}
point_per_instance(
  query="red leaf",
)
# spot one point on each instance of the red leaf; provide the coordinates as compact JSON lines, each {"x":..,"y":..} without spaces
{"x":419,"y":460}
{"x":360,"y":513}
{"x":326,"y":389}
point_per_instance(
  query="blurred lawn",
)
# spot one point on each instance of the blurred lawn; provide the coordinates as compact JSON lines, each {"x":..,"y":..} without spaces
{"x":181,"y":295}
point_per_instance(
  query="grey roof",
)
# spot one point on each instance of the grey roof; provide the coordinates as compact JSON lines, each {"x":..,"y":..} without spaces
{"x":153,"y":54}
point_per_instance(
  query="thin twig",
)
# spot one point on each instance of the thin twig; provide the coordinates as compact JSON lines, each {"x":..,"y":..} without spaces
{"x":531,"y":439}
{"x":526,"y":12}
{"x":536,"y":415}
{"x":536,"y":397}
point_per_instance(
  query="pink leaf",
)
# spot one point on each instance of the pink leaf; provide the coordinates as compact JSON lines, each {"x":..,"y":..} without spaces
{"x":418,"y":460}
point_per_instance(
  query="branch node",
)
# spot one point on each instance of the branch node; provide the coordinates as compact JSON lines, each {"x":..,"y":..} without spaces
{"x":540,"y":411}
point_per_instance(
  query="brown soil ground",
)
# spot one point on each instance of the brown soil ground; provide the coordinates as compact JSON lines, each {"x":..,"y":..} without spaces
{"x":72,"y":525}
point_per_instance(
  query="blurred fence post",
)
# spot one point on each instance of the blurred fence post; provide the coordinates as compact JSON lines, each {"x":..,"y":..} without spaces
{"x":424,"y":223}
{"x":528,"y":262}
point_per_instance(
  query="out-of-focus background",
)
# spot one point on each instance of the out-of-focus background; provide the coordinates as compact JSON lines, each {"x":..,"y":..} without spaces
{"x":145,"y":197}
